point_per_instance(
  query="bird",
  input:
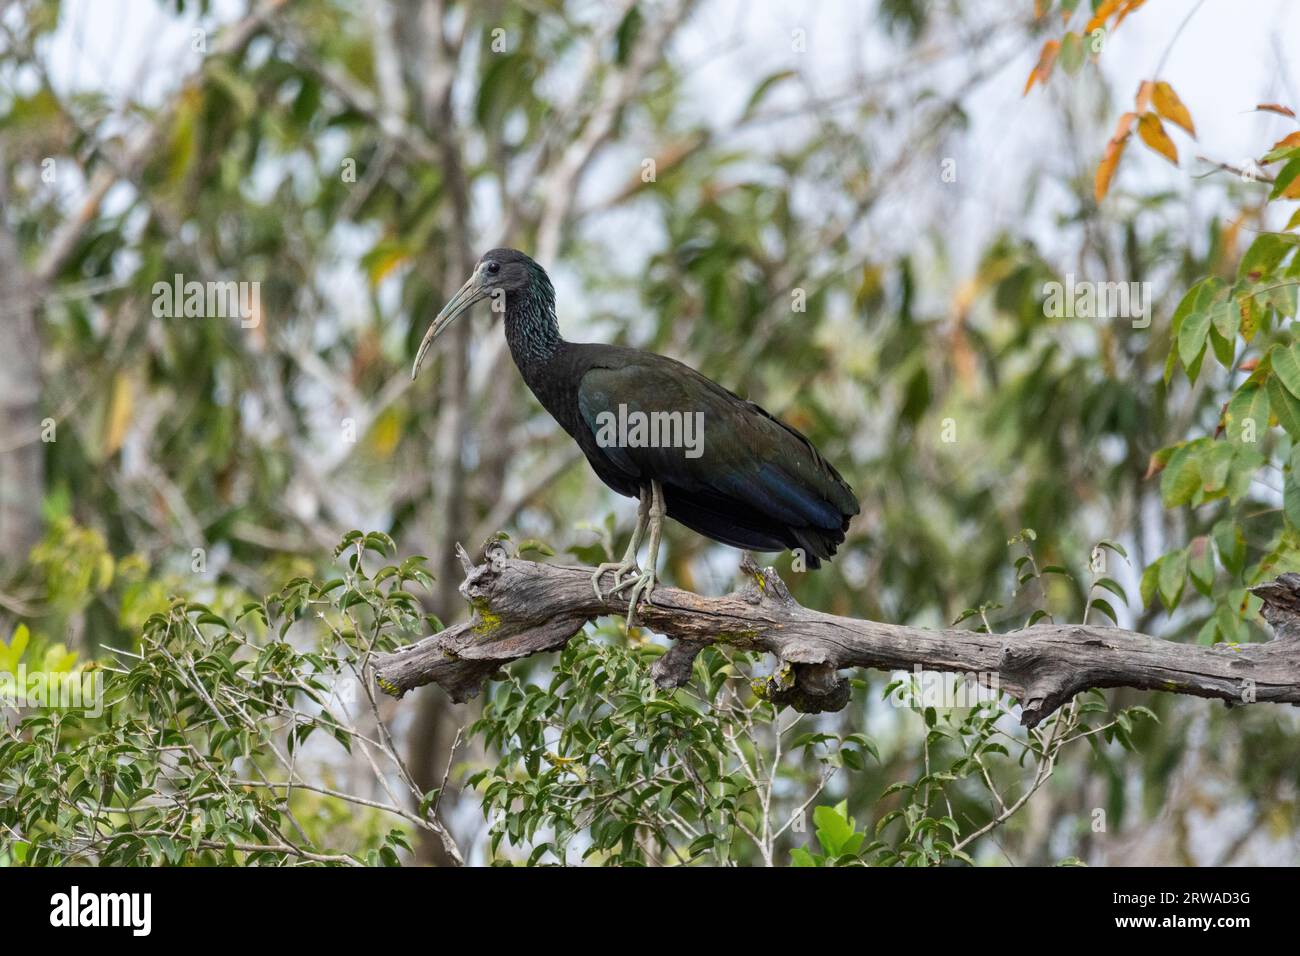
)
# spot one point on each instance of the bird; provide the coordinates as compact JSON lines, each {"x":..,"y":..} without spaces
{"x":655,"y":429}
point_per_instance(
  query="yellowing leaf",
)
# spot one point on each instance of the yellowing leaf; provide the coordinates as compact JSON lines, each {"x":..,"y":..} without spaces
{"x":1287,"y":185}
{"x":1154,"y":135}
{"x":386,"y":256}
{"x":1101,"y":15}
{"x":1171,"y":107}
{"x":1284,"y":148}
{"x":1110,"y":160}
{"x":120,"y":405}
{"x":386,"y":432}
{"x":11,"y":654}
{"x":1143,"y":100}
{"x":1287,"y":141}
{"x":1249,"y":323}
{"x":1129,"y":7}
{"x":1229,"y":239}
{"x":1043,"y":68}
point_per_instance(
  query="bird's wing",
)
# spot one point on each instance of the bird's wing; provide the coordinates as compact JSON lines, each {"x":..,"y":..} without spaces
{"x":738,"y":451}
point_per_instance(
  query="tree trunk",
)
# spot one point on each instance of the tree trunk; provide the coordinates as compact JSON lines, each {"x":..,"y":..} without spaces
{"x":22,"y":453}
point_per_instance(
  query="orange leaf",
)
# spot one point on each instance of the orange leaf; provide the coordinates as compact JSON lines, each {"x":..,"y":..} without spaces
{"x":1287,"y":141}
{"x":1276,"y":108}
{"x":117,"y":418}
{"x":1171,"y":107}
{"x":1043,"y":68}
{"x":1143,"y":100}
{"x":1154,"y":467}
{"x":1229,"y":238}
{"x":1154,"y":135}
{"x":1130,"y":7}
{"x":1249,"y":365}
{"x":1114,"y":149}
{"x":1101,"y":15}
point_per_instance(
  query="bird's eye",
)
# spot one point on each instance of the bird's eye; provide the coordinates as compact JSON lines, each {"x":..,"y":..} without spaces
{"x":493,"y":268}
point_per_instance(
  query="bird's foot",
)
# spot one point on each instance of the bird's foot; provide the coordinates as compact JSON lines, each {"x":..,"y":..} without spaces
{"x":620,"y":568}
{"x":642,"y":587}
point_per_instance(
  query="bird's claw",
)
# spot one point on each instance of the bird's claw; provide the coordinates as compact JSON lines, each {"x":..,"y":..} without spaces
{"x":620,"y":568}
{"x":643,"y":588}
{"x":633,"y":575}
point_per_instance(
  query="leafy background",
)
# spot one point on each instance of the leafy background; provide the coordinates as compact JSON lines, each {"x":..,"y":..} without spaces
{"x":911,"y":174}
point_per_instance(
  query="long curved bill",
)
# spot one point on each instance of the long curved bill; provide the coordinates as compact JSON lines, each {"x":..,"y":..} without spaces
{"x":465,"y":296}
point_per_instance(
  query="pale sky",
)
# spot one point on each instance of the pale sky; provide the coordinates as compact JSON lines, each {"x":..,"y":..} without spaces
{"x":1231,"y":55}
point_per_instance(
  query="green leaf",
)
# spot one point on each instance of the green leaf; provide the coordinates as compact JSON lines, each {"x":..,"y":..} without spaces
{"x":701,"y":843}
{"x":1071,"y":55}
{"x":1181,"y":479}
{"x":1226,"y":318}
{"x":533,"y":544}
{"x":1231,"y":544}
{"x":1114,"y":546}
{"x":1172,"y":578}
{"x":1102,"y":605}
{"x":1268,"y":249}
{"x":1191,"y":338}
{"x":1286,"y":365}
{"x":1281,"y":297}
{"x":834,"y":828}
{"x":1224,"y":349}
{"x":1200,"y":564}
{"x":1291,"y":490}
{"x":1215,"y":462}
{"x":1248,"y":405}
{"x":765,"y":87}
{"x":1281,"y":153}
{"x":1113,"y":586}
{"x":1150,"y":583}
{"x":1284,"y":179}
{"x":801,"y":857}
{"x":1284,"y":405}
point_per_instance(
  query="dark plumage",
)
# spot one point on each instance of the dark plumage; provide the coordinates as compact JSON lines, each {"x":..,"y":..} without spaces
{"x":757,"y":483}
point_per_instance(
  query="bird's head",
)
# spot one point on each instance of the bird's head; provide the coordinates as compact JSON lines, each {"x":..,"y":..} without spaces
{"x":499,"y":274}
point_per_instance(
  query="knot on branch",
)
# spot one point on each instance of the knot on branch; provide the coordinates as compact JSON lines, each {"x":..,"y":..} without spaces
{"x":763,"y":585}
{"x":807,"y":688}
{"x":1281,"y":609}
{"x":1044,"y":682}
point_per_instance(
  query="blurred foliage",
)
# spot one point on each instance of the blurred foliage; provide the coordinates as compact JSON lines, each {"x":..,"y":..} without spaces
{"x":346,"y":162}
{"x":197,"y":747}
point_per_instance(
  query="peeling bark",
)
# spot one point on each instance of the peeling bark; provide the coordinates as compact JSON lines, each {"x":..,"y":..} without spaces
{"x":521,"y":608}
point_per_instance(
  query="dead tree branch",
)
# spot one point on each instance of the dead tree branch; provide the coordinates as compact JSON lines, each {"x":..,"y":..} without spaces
{"x":521,"y":608}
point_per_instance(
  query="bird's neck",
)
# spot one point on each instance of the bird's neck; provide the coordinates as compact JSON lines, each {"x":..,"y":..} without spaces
{"x":532,"y":331}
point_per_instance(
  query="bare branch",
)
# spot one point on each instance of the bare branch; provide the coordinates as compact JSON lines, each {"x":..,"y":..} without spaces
{"x":523,"y":608}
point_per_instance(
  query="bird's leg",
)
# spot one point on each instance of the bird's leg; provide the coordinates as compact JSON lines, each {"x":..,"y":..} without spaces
{"x":628,"y":565}
{"x":644,"y":584}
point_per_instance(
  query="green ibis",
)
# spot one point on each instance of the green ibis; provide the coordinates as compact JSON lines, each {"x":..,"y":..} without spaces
{"x":659,"y":431}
